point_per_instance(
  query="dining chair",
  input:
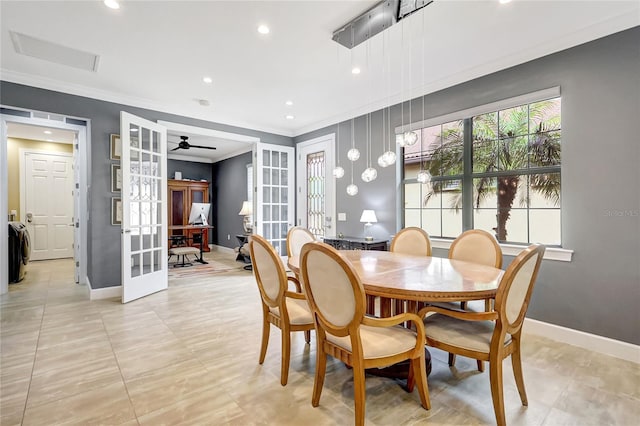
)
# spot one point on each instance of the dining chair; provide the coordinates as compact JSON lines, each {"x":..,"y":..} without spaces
{"x":491,"y":336}
{"x":284,"y":309}
{"x":337,"y":300}
{"x":476,"y":246}
{"x":296,"y":238}
{"x":411,"y":240}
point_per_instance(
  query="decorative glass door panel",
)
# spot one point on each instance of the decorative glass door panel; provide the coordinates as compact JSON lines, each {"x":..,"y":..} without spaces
{"x":144,"y":208}
{"x":316,"y":172}
{"x":275,"y":194}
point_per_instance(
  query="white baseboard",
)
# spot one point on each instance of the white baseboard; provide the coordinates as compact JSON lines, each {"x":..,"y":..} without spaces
{"x":103,"y":293}
{"x":592,"y":342}
{"x":216,"y":247}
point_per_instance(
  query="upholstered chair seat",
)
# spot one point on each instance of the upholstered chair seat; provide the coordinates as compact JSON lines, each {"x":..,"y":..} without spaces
{"x":298,"y":310}
{"x":379,"y":342}
{"x":469,"y":335}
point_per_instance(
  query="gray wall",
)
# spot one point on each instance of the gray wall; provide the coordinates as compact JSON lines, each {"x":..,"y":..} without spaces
{"x":104,"y":239}
{"x":230,"y":190}
{"x":599,"y":291}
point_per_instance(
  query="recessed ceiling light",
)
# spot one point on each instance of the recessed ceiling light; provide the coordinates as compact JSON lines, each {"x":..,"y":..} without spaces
{"x":112,"y":4}
{"x":288,"y":103}
{"x":355,"y":70}
{"x":263,"y":29}
{"x":289,"y":117}
{"x":204,"y":102}
{"x":207,"y":80}
{"x":48,"y":132}
{"x":49,"y":140}
{"x":505,"y":1}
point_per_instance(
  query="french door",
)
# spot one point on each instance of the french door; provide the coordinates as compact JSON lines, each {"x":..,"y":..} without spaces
{"x":316,"y":191}
{"x":144,"y":207}
{"x":274,"y":201}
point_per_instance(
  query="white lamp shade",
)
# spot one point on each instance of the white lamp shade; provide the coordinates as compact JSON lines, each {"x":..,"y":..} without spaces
{"x":368,"y":216}
{"x":246,"y":210}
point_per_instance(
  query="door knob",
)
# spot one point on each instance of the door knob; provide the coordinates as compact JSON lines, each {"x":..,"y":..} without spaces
{"x":29,"y":217}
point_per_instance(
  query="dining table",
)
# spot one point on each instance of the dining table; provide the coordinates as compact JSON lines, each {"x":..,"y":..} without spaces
{"x":396,"y":282}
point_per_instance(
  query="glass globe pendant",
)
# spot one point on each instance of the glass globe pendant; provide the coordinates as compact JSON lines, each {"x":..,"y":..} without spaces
{"x":352,"y":189}
{"x":338,"y":172}
{"x":353,"y":154}
{"x":424,"y":176}
{"x":410,"y":138}
{"x":382,"y":161}
{"x":390,"y":157}
{"x":369,"y":174}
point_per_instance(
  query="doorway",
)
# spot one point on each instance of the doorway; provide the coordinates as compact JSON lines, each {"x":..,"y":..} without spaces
{"x":25,"y":131}
{"x":316,"y":201}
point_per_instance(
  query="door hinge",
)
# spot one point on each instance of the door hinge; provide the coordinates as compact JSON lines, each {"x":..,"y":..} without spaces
{"x":77,"y":264}
{"x":77,"y":224}
{"x":77,"y":186}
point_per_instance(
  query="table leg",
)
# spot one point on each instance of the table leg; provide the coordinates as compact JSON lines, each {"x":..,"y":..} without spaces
{"x":201,"y":260}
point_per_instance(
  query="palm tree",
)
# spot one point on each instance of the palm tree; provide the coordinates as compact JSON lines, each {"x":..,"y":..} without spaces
{"x":518,"y":139}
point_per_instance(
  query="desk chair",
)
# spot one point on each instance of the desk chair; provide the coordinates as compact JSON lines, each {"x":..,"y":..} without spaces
{"x":179,"y":248}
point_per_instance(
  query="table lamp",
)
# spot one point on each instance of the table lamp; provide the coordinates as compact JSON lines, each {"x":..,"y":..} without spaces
{"x":246,"y":211}
{"x":368,"y":218}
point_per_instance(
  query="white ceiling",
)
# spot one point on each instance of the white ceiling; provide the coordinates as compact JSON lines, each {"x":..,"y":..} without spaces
{"x":36,"y":133}
{"x":153,"y":54}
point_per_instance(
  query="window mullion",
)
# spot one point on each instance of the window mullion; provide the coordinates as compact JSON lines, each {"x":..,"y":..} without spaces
{"x":467,"y":179}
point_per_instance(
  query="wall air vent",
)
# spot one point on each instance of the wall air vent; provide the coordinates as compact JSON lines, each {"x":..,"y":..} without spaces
{"x":52,"y":52}
{"x":375,"y":20}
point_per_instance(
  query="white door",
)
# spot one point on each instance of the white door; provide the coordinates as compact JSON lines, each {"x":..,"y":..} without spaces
{"x":316,"y":193}
{"x":144,"y":207}
{"x":76,"y":209}
{"x":48,"y":204}
{"x":274,"y":201}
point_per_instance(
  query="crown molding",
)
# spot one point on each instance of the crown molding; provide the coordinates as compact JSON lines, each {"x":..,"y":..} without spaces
{"x":119,"y":98}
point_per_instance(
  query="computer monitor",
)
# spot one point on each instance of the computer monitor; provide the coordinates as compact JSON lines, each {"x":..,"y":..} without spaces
{"x":199,"y":214}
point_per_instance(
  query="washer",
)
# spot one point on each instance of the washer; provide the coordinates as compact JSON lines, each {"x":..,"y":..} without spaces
{"x":19,"y":251}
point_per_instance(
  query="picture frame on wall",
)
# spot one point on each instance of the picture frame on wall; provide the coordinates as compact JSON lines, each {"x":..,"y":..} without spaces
{"x":116,"y":211}
{"x":116,"y":178}
{"x":115,"y":147}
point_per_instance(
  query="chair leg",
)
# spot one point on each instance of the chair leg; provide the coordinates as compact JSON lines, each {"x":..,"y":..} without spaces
{"x":516,"y":362}
{"x":495,"y":379}
{"x":420,"y":373}
{"x":286,"y":352}
{"x":359,"y":394}
{"x":480,"y":366}
{"x":452,"y":360}
{"x":265,"y":339}
{"x":321,"y":366}
{"x":307,"y":336}
{"x":411,"y":379}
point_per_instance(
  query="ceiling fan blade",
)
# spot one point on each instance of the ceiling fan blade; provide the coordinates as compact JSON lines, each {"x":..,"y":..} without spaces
{"x":203,"y":147}
{"x":175,"y":149}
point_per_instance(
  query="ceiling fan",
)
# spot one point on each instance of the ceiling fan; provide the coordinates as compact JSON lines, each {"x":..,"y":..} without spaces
{"x":186,"y":145}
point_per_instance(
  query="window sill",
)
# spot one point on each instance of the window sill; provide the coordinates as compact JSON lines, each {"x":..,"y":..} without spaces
{"x":551,"y":253}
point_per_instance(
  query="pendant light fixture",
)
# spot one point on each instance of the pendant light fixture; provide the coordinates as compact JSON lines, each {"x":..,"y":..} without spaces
{"x":353,"y":154}
{"x":352,"y":189}
{"x":388,"y":157}
{"x":338,"y":171}
{"x":423,"y":175}
{"x":410,"y":137}
{"x":369,"y":173}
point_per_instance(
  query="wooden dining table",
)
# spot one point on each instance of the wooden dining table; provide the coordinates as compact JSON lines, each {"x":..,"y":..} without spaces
{"x":404,"y":282}
{"x":396,"y":283}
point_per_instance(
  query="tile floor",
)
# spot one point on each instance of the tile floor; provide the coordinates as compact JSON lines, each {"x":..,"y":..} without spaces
{"x":189,"y":355}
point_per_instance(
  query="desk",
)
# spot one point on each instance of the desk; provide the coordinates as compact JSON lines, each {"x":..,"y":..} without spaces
{"x":191,"y":237}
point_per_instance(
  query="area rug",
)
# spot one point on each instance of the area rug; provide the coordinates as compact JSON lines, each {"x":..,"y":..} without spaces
{"x":199,"y":270}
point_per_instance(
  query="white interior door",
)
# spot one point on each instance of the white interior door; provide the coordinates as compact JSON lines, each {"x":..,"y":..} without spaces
{"x":274,"y":201}
{"x":316,"y":193}
{"x":48,"y":204}
{"x":144,"y":207}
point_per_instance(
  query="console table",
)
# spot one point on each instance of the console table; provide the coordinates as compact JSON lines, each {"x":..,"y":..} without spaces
{"x":355,"y":243}
{"x":242,"y":256}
